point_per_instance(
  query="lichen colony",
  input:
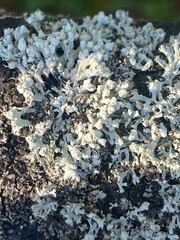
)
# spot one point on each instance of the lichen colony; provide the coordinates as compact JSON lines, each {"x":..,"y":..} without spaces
{"x":100,"y":115}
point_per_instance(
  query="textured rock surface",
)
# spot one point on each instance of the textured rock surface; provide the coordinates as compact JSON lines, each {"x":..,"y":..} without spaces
{"x":89,"y":128}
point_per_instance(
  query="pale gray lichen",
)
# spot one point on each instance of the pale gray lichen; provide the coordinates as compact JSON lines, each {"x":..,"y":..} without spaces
{"x":68,"y":70}
{"x":44,"y":204}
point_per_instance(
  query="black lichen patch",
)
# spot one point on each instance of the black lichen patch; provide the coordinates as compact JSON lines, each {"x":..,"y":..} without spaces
{"x":13,"y":231}
{"x":141,"y":84}
{"x":134,"y":193}
{"x":165,"y":122}
{"x":141,"y":81}
{"x":76,"y":43}
{"x":8,"y":91}
{"x":59,"y":51}
{"x":155,"y":186}
{"x":156,"y":205}
{"x":11,"y":22}
{"x":7,"y":73}
{"x":40,"y":112}
{"x":51,"y":81}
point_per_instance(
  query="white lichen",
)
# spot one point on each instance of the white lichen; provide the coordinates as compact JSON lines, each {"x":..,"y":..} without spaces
{"x":44,"y":205}
{"x":78,"y":84}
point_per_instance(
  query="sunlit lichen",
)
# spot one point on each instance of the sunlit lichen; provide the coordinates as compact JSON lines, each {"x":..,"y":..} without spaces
{"x":90,"y":112}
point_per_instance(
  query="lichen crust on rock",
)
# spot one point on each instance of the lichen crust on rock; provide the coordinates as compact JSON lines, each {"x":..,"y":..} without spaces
{"x":99,"y":113}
